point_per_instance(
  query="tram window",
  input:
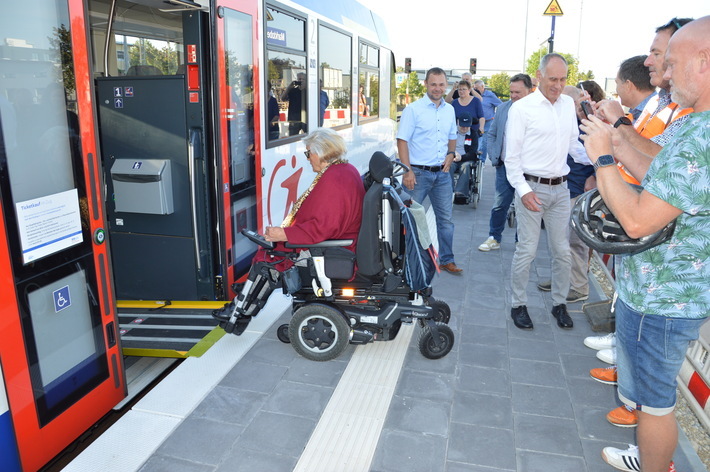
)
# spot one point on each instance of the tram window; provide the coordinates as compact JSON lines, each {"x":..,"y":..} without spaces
{"x":240,"y":82}
{"x":369,"y":82}
{"x":335,"y":57}
{"x":144,"y":56}
{"x":287,"y":80}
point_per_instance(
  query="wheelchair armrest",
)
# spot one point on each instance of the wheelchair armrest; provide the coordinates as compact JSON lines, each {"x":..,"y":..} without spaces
{"x":324,"y":244}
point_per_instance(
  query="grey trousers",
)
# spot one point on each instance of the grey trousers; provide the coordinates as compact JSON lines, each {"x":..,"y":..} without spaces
{"x":579,"y":252}
{"x":555,"y":211}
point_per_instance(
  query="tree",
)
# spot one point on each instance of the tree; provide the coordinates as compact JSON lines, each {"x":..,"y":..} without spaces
{"x":144,"y":52}
{"x":572,"y":65}
{"x":589,"y":75}
{"x":60,"y":44}
{"x":416,"y":88}
{"x":500,"y":84}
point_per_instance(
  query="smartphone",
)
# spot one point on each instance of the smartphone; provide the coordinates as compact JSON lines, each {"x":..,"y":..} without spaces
{"x":586,"y":108}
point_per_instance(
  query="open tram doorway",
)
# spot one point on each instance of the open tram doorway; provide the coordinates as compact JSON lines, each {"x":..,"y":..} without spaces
{"x":159,"y":120}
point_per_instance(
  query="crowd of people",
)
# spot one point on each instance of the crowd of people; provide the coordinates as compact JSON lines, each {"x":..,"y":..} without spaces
{"x":553,"y":143}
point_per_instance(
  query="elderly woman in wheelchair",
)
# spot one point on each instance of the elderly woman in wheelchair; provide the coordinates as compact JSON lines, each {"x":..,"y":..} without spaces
{"x":312,"y":257}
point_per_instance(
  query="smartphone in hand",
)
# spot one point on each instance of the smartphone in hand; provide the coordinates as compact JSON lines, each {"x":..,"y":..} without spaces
{"x":586,"y":108}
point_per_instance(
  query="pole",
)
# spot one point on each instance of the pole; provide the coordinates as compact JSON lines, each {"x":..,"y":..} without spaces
{"x":552,"y":37}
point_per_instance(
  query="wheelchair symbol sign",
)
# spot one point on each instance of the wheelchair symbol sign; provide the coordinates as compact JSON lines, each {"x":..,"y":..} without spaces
{"x":62,"y":299}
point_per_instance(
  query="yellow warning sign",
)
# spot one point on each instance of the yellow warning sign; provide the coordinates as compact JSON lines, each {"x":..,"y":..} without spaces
{"x":553,"y":9}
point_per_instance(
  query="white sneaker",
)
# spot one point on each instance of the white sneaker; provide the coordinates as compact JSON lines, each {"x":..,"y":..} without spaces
{"x":607,"y":355}
{"x":626,"y":459}
{"x":608,"y":341}
{"x":622,"y":459}
{"x":489,"y":244}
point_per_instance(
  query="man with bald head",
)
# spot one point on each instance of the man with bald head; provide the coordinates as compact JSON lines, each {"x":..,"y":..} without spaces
{"x":662,"y":291}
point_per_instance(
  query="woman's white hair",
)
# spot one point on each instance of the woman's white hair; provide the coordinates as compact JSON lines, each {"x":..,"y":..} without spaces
{"x":327,"y":144}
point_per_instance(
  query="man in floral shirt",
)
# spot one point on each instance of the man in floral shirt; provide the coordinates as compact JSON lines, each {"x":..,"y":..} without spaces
{"x":663,"y":291}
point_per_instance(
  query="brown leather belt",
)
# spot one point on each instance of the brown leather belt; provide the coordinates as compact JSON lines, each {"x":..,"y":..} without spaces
{"x":545,"y":180}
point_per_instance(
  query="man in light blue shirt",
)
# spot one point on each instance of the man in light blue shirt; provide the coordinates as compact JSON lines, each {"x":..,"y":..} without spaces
{"x":490,"y":103}
{"x":426,"y":143}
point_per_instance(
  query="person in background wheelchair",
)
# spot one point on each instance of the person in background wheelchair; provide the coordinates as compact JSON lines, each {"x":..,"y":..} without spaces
{"x":331,"y":208}
{"x":466,"y":156}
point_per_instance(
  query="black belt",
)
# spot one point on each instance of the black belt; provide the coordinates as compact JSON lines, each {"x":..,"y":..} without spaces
{"x":429,"y":168}
{"x":545,"y":180}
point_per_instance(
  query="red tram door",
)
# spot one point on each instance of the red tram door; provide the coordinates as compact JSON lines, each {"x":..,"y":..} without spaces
{"x":59,"y":351}
{"x":238,"y":136}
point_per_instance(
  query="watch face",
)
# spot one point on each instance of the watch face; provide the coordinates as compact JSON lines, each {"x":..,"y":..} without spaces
{"x":605,"y":160}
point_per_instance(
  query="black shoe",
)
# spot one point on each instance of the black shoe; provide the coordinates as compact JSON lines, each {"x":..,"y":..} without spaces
{"x":563,"y":318}
{"x":224,"y":313}
{"x":520,"y":316}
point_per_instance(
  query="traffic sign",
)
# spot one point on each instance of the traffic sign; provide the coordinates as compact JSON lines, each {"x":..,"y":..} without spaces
{"x":553,"y":9}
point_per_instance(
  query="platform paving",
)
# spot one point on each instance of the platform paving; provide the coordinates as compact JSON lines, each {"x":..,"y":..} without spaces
{"x":503,"y":400}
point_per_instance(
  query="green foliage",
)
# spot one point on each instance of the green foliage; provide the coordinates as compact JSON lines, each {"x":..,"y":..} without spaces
{"x":573,"y":75}
{"x":589,"y":75}
{"x":144,"y":52}
{"x":500,"y":85}
{"x":416,"y":88}
{"x":60,"y":43}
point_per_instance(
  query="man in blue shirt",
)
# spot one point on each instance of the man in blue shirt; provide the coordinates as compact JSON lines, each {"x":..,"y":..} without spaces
{"x":490,"y":103}
{"x":426,"y":143}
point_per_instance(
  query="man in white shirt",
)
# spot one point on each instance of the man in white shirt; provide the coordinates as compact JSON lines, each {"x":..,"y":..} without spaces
{"x":541,"y":131}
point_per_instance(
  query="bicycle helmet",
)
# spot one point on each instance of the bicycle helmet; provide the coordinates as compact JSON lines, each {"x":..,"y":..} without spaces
{"x":600,"y":230}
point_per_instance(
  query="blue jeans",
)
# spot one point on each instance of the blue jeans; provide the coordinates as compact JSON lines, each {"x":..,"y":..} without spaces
{"x":483,"y":142}
{"x":504,"y":197}
{"x":437,"y":186}
{"x":464,"y":170}
{"x":650,"y":352}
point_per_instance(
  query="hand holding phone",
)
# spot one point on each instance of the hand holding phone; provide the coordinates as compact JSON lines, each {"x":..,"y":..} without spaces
{"x":586,"y":107}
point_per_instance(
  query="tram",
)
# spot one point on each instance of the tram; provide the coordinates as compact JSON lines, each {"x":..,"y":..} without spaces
{"x":137,"y":139}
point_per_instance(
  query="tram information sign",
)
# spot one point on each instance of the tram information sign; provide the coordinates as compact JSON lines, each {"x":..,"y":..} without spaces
{"x":49,"y":224}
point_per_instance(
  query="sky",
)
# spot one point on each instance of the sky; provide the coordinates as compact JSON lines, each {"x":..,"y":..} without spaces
{"x":599,"y":33}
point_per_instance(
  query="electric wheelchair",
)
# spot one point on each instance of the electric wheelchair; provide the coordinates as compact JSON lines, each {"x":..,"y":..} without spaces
{"x":334,"y":305}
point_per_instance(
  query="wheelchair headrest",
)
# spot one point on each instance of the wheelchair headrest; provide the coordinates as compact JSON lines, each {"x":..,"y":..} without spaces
{"x":381,"y":167}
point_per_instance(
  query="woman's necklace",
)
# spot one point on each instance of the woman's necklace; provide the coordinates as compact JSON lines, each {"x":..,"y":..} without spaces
{"x":288,"y":221}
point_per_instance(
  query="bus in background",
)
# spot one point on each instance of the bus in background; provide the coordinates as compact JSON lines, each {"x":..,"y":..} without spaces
{"x":137,"y":139}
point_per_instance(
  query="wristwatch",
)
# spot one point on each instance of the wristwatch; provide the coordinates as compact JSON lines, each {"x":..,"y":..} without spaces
{"x":450,"y":152}
{"x":622,"y":121}
{"x":604,"y":161}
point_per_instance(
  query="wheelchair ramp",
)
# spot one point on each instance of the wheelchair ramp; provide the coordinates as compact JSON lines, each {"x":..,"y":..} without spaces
{"x":177,"y":330}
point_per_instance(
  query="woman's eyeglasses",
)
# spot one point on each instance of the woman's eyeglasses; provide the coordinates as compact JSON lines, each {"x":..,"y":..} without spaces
{"x":307,"y":153}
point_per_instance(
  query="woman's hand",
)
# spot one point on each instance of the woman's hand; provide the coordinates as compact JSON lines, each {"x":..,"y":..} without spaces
{"x":275,"y":234}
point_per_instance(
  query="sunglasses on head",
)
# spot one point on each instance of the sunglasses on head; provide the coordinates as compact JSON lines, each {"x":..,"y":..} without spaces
{"x":678,"y":23}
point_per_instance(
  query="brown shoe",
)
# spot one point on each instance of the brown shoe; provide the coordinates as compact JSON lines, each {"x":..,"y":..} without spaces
{"x":450,"y":267}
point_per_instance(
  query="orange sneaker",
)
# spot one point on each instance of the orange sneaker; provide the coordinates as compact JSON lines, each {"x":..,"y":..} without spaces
{"x":622,"y":417}
{"x":605,"y":375}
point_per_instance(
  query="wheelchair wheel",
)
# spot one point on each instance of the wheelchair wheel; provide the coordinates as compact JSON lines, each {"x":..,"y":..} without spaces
{"x":282,"y":333}
{"x":442,"y":311}
{"x":428,"y":346}
{"x":318,"y":332}
{"x":511,"y":216}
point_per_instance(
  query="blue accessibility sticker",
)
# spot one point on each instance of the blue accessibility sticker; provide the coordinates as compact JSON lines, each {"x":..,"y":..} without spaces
{"x":62,"y":299}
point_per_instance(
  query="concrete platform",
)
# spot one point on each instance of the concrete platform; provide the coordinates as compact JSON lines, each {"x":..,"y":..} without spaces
{"x":502,"y":400}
